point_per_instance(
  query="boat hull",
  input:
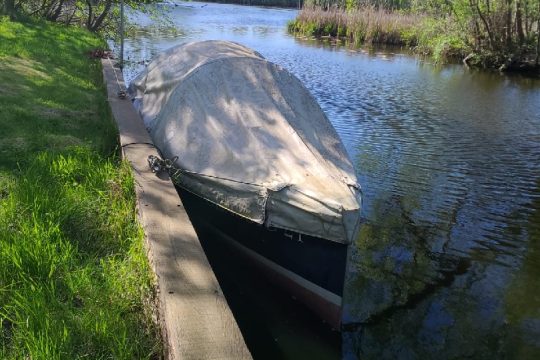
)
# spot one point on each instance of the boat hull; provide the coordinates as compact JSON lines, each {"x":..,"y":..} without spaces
{"x":311,"y":269}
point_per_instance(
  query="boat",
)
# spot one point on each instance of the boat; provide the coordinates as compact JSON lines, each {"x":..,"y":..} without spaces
{"x":257,"y":160}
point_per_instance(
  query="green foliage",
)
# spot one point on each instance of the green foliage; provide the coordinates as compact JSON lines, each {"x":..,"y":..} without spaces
{"x":351,"y":4}
{"x":438,"y":38}
{"x":95,"y":15}
{"x":73,"y":272}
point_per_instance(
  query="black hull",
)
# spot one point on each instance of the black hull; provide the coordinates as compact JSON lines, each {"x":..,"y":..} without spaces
{"x":310,"y":268}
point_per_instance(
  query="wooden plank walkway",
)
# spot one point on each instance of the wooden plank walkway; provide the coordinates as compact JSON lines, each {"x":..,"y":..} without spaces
{"x":195,"y":318}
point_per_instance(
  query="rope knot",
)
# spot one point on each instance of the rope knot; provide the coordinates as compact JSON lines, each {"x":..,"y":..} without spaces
{"x":157,"y":164}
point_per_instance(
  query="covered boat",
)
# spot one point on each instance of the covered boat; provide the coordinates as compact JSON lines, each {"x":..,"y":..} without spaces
{"x":258,"y":159}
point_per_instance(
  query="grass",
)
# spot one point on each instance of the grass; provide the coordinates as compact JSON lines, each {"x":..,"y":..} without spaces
{"x":371,"y":26}
{"x":74,"y":279}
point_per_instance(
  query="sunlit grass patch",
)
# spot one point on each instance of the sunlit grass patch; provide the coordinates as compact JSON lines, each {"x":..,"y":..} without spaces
{"x":74,"y":278}
{"x":72,"y":265}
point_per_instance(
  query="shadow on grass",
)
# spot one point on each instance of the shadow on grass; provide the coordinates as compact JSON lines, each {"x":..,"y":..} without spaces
{"x":52,"y":94}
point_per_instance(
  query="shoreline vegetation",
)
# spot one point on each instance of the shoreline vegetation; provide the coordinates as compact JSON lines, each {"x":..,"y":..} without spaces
{"x":74,"y":278}
{"x":360,"y":26}
{"x":277,"y":3}
{"x":492,"y":34}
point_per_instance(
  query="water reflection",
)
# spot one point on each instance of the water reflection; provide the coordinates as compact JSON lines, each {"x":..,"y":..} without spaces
{"x":448,"y":260}
{"x":522,"y":299}
{"x":407,"y":301}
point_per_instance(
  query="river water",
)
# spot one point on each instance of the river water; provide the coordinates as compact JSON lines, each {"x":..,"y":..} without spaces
{"x":447,"y":264}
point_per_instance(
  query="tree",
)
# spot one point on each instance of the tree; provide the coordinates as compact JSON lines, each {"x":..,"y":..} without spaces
{"x":8,"y":8}
{"x":93,"y":14}
{"x":95,"y":20}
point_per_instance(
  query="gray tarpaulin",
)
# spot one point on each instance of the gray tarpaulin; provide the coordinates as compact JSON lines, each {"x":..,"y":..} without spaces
{"x":250,"y":138}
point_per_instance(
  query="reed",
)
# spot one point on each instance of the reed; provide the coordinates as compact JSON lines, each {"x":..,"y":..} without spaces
{"x":366,"y":25}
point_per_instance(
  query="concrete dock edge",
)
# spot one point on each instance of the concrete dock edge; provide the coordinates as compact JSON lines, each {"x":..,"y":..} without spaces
{"x":195,"y":319}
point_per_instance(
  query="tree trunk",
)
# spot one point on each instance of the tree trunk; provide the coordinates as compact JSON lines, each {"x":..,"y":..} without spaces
{"x":508,"y":24}
{"x":519,"y":23}
{"x":48,"y":9}
{"x":477,"y":40}
{"x":39,"y":10}
{"x":538,"y":38}
{"x":57,"y":11}
{"x":69,"y":20}
{"x":90,"y":19}
{"x":99,"y":20}
{"x":486,"y":25}
{"x":527,"y":18}
{"x":53,"y":8}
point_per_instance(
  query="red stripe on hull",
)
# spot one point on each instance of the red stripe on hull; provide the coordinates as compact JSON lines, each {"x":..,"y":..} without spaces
{"x":327,"y":310}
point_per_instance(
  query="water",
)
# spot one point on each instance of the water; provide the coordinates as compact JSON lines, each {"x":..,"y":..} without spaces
{"x":447,"y":264}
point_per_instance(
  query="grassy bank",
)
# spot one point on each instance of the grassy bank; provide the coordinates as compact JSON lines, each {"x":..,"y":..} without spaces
{"x":74,"y":278}
{"x":372,"y":26}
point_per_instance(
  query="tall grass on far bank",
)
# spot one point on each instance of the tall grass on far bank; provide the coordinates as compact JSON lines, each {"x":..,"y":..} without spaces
{"x":371,"y":26}
{"x":276,"y":3}
{"x":363,"y":25}
{"x":74,"y":279}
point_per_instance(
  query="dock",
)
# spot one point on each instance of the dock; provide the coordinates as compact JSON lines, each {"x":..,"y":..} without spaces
{"x":195,"y":319}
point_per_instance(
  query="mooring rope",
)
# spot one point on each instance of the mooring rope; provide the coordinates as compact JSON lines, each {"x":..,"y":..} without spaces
{"x":158,"y":164}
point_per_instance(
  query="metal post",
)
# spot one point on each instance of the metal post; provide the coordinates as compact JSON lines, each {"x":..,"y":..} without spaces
{"x":122,"y":34}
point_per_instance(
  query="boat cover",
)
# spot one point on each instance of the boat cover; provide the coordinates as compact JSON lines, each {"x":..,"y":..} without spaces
{"x":250,"y":138}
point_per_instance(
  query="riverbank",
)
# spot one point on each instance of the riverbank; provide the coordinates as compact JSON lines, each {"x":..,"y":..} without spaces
{"x":74,"y":278}
{"x":442,"y":36}
{"x":370,"y":26}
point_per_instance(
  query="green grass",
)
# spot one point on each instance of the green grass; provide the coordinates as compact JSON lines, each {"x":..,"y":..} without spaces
{"x":74,"y":279}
